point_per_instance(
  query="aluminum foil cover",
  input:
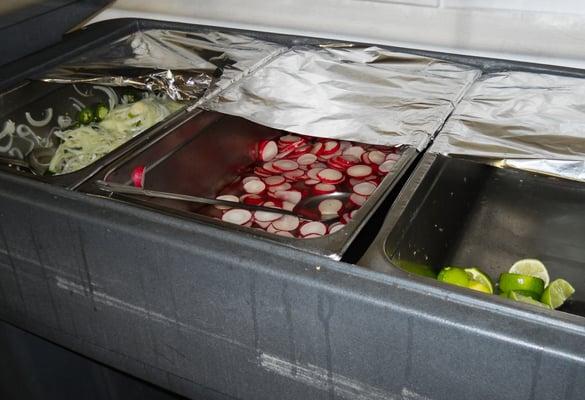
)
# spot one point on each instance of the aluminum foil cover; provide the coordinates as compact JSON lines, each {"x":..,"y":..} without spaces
{"x":529,"y":121}
{"x":368,"y":95}
{"x":182,"y":64}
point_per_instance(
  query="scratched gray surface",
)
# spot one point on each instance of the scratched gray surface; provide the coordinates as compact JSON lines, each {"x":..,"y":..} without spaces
{"x":185,"y":306}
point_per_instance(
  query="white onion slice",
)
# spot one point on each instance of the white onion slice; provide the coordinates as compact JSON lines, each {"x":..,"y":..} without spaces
{"x":77,"y":103}
{"x":80,"y":92}
{"x":64,"y":121}
{"x":8,"y":129}
{"x":112,"y":98}
{"x":42,"y":122}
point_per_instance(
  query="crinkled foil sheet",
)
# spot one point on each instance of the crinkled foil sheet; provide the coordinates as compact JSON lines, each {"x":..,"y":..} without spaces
{"x":368,"y":95}
{"x":182,"y":64}
{"x":534,"y":122}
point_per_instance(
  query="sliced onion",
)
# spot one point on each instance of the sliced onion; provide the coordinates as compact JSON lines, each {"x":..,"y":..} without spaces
{"x":64,"y":121}
{"x":77,"y":102}
{"x":9,"y":129}
{"x":42,"y":122}
{"x":15,"y":153}
{"x":112,"y":98}
{"x":80,"y":92}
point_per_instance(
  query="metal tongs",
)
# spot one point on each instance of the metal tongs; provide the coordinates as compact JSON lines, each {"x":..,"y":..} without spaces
{"x":37,"y":161}
{"x":301,"y":209}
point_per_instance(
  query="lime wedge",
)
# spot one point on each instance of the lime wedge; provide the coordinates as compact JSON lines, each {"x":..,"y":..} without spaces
{"x":475,"y":274}
{"x":454,"y":276}
{"x":557,"y":292}
{"x":525,"y":283}
{"x":531,"y":267}
{"x":526,"y":299}
{"x":480,"y":287}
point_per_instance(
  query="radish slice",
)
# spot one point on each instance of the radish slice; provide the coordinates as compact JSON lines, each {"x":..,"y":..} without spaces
{"x":274,"y":180}
{"x":312,"y":182}
{"x":271,"y":229}
{"x":355,"y":151}
{"x":313,"y":227}
{"x":294,"y":196}
{"x":330,"y":207}
{"x":276,"y":203}
{"x":302,"y":149}
{"x":285,"y":165}
{"x":267,"y":150}
{"x":287,"y":205}
{"x":286,"y":223}
{"x":357,"y":199}
{"x":345,"y":218}
{"x":366,"y":158}
{"x":138,"y":176}
{"x":352,"y":214}
{"x":317,"y":148}
{"x":269,"y":166}
{"x":386,"y":166}
{"x":364,"y":188}
{"x":335,"y":227}
{"x":262,"y":172}
{"x":266,"y":216}
{"x":285,"y":234}
{"x":237,"y":216}
{"x":330,"y":147}
{"x":329,"y":175}
{"x":249,"y":178}
{"x":295,"y":175}
{"x":255,"y":187}
{"x":393,"y":156}
{"x":323,"y":188}
{"x":307,"y":159}
{"x":376,"y":157}
{"x":359,"y":171}
{"x":226,"y":197}
{"x":314,"y":172}
{"x":284,"y":186}
{"x":288,"y":139}
{"x":261,"y":224}
{"x":252,"y":199}
{"x":312,"y":235}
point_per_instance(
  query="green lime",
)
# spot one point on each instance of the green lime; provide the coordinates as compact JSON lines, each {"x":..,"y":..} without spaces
{"x":454,"y":276}
{"x":531,"y":267}
{"x":526,"y":299}
{"x":557,"y":292}
{"x":415,"y":268}
{"x":480,"y":287}
{"x":525,"y":283}
{"x":478,"y":275}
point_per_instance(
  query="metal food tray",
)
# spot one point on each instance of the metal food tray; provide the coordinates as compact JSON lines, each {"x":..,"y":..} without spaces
{"x":458,"y":212}
{"x":35,"y":97}
{"x":207,"y":152}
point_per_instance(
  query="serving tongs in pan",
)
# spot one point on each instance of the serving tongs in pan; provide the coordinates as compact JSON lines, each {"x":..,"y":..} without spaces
{"x":306,"y":208}
{"x":36,"y":162}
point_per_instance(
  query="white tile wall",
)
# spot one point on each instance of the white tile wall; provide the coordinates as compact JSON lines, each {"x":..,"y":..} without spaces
{"x":543,"y":6}
{"x":531,"y":30}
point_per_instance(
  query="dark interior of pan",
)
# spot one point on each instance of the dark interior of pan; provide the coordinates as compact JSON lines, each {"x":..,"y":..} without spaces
{"x":464,"y":213}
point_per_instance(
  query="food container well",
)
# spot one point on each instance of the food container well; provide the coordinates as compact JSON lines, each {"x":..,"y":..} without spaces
{"x":212,"y":154}
{"x":454,"y":212}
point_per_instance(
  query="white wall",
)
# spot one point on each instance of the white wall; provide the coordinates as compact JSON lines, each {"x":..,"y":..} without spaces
{"x":532,"y":30}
